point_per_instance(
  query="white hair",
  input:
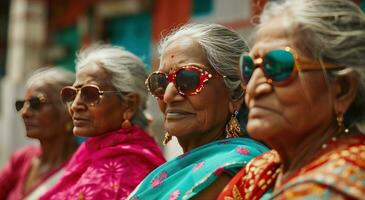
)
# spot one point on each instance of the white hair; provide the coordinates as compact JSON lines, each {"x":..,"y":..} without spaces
{"x":55,"y":78}
{"x":329,"y":31}
{"x":126,"y":70}
{"x":222,"y":47}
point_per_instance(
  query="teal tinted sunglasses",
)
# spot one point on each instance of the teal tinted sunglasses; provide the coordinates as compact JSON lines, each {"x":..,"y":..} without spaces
{"x":279,"y":66}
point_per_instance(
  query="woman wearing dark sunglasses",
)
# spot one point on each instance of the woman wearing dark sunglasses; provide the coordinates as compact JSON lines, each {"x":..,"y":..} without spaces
{"x":33,"y":170}
{"x":106,"y":103}
{"x":197,"y":87}
{"x":305,"y":88}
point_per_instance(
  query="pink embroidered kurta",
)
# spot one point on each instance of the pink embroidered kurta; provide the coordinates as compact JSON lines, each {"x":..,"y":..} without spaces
{"x":15,"y":172}
{"x":109,"y":166}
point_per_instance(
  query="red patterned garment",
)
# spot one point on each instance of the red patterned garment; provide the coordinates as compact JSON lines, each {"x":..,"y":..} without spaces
{"x":337,"y":173}
{"x":254,"y":180}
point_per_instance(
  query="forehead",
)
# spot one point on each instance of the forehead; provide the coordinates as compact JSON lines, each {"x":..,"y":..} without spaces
{"x":39,"y":87}
{"x":271,"y":35}
{"x":92,"y":73}
{"x":182,"y":51}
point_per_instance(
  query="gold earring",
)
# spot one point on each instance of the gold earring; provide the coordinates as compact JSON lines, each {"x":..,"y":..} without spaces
{"x":339,"y":118}
{"x":126,"y":124}
{"x":167,"y":138}
{"x":69,"y":126}
{"x":233,"y":128}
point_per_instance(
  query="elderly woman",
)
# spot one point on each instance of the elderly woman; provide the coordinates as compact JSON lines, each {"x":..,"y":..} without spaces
{"x":34,"y":169}
{"x":305,"y":86}
{"x":106,"y":104}
{"x":197,"y":87}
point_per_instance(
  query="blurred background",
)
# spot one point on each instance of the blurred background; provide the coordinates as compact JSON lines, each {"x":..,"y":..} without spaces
{"x":36,"y":33}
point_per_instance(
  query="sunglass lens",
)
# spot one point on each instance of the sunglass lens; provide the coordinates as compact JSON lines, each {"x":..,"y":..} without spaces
{"x":35,"y":103}
{"x":279,"y":65}
{"x":19,"y":105}
{"x":187,"y":81}
{"x":247,"y":67}
{"x":157,"y":83}
{"x":90,"y":94}
{"x":68,"y":94}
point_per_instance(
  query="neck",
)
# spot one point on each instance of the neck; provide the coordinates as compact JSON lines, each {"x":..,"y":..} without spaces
{"x":199,"y":139}
{"x":296,"y":153}
{"x":57,"y":150}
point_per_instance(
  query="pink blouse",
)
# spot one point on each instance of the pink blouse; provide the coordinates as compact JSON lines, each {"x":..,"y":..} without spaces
{"x":15,"y":172}
{"x":109,"y":166}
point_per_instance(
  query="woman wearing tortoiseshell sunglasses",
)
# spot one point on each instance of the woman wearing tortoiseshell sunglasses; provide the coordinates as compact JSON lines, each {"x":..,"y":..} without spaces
{"x":106,"y":103}
{"x":197,"y":87}
{"x":305,"y":88}
{"x":32,"y":170}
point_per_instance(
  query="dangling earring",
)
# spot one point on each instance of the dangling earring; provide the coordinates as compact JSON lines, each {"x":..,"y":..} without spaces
{"x":340,"y":123}
{"x":167,"y":138}
{"x":233,"y":129}
{"x":339,"y":118}
{"x":69,"y":126}
{"x":126,"y":124}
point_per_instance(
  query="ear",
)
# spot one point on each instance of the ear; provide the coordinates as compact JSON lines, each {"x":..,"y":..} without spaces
{"x":131,"y":101}
{"x":235,"y":105}
{"x":345,"y":89}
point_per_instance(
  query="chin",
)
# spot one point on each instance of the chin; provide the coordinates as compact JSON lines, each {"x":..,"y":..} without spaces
{"x":33,"y":135}
{"x":177,"y":132}
{"x":258,"y":130}
{"x":83,"y":132}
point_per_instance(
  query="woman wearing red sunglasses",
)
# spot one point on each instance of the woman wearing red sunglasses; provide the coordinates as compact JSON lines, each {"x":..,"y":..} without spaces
{"x":305,"y":88}
{"x":197,"y":87}
{"x":106,"y":103}
{"x":33,"y":170}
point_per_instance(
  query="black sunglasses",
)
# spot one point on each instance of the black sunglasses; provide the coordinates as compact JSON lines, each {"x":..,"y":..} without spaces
{"x":35,"y":103}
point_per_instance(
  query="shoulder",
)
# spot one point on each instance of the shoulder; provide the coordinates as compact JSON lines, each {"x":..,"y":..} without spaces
{"x":25,"y":154}
{"x":341,"y":169}
{"x":311,"y":190}
{"x":202,"y":168}
{"x":243,"y":147}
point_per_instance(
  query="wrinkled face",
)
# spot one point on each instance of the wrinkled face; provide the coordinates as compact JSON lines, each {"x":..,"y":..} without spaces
{"x":290,"y":112}
{"x":50,"y":118}
{"x":197,"y":115}
{"x":103,"y":117}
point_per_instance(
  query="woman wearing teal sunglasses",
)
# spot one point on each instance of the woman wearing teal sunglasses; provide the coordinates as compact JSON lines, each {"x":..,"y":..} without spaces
{"x":305,"y":87}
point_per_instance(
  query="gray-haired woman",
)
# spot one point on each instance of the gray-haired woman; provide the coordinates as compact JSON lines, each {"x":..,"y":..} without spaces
{"x":198,"y":89}
{"x":305,"y":88}
{"x":34,"y":169}
{"x":106,"y":104}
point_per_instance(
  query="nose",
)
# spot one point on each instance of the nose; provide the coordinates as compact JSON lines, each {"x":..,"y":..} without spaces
{"x":26,"y":111}
{"x":172,"y":94}
{"x":77,"y":104}
{"x":257,"y":85}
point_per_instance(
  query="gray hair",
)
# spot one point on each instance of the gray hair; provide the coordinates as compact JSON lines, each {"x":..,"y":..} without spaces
{"x":222,"y":47}
{"x":126,"y":70}
{"x":55,"y":78}
{"x":330,"y":31}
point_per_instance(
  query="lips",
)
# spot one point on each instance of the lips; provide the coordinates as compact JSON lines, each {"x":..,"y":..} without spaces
{"x":30,"y":124}
{"x":177,"y":113}
{"x":256,"y":110}
{"x":79,"y":121}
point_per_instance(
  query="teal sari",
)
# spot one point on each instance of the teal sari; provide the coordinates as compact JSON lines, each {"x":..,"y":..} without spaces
{"x":188,"y":174}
